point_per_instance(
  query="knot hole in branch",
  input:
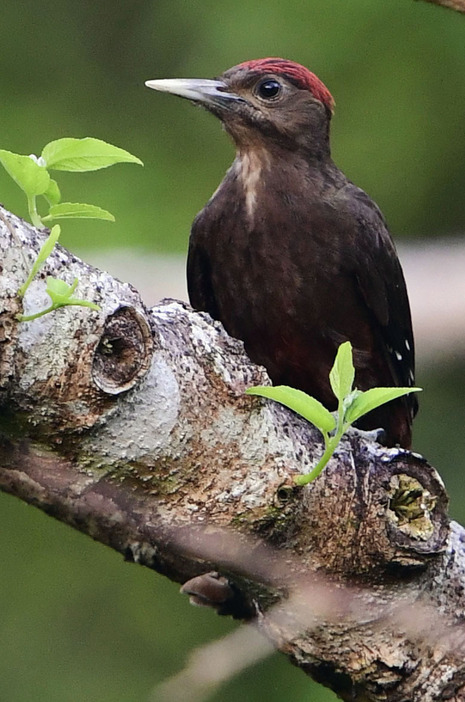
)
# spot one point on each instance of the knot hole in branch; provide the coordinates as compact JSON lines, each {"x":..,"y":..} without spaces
{"x":411,"y":507}
{"x":124,"y":352}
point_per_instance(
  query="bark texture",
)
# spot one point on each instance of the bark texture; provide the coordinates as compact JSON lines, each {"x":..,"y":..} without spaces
{"x":132,"y":426}
{"x":457,"y":5}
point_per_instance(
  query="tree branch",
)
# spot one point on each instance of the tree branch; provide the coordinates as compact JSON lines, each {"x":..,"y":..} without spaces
{"x":457,"y":5}
{"x":132,"y":426}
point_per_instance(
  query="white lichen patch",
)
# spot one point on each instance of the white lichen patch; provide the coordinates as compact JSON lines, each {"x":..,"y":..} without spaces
{"x":139,"y":428}
{"x":260,"y":461}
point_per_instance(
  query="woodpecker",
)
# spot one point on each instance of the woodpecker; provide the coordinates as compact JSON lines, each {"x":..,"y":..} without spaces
{"x":289,"y":254}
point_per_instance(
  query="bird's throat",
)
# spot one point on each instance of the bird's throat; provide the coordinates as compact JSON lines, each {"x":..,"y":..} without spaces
{"x":250,"y":167}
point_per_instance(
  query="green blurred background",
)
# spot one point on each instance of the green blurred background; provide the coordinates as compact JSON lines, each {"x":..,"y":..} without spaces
{"x":76,"y":622}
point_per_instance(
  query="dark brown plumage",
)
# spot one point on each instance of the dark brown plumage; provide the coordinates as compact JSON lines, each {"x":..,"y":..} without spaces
{"x":290,"y":255}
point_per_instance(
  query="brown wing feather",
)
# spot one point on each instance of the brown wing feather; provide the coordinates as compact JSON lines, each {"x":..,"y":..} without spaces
{"x":324,"y":272}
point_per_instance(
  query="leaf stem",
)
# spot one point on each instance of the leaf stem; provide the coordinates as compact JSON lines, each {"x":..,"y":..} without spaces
{"x":26,"y":284}
{"x":331,"y":443}
{"x":30,"y":317}
{"x":33,"y":214}
{"x":56,"y":306}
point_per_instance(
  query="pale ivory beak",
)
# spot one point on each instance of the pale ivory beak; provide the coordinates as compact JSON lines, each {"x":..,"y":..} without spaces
{"x":208,"y":92}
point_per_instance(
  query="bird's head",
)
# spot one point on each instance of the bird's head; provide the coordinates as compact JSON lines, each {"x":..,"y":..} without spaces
{"x":264,"y":102}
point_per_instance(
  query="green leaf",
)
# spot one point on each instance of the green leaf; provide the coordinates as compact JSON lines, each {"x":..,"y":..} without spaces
{"x":298,"y":401}
{"x":68,"y":210}
{"x":58,"y":289}
{"x":86,"y":154}
{"x":342,"y":373}
{"x":370,"y":399}
{"x":45,"y":251}
{"x":48,"y":245}
{"x":52,"y":194}
{"x":60,"y":292}
{"x":83,"y":303}
{"x":31,"y":177}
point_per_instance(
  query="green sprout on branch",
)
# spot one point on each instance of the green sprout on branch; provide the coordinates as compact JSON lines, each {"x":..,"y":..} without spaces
{"x":31,"y":174}
{"x":352,"y":404}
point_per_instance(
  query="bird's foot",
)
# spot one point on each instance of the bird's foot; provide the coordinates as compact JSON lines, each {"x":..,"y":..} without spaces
{"x":215,"y":591}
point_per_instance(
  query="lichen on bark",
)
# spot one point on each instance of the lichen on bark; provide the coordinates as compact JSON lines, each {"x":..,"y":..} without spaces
{"x":131,"y":424}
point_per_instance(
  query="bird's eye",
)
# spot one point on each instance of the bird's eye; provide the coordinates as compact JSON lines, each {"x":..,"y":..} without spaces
{"x":268,"y":89}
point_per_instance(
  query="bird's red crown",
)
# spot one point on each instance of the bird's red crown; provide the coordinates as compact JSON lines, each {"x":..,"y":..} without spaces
{"x":300,"y":75}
